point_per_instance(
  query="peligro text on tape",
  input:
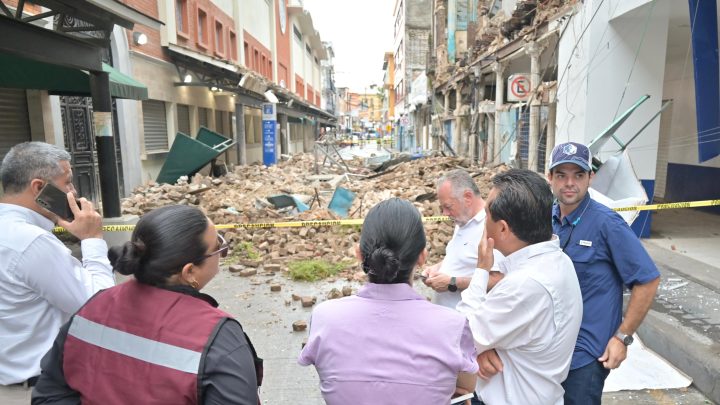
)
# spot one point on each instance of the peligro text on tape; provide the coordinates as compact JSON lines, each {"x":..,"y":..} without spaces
{"x":265,"y":225}
{"x":437,"y":218}
{"x":686,"y":204}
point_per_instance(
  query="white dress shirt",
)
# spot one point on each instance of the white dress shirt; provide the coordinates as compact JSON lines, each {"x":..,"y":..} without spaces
{"x":41,"y":286}
{"x":532,"y":319}
{"x":461,"y":256}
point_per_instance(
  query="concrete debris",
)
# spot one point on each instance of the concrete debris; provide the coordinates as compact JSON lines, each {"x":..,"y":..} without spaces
{"x":675,"y":286}
{"x":234,"y":268}
{"x":299,"y":326}
{"x":308,"y":301}
{"x":232,"y":199}
{"x":273,"y":268}
{"x":248,"y":272}
{"x":275,"y":287}
{"x":296,"y":297}
{"x":334,"y":294}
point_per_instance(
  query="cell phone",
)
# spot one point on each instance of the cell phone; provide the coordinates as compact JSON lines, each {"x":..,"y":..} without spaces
{"x":55,"y":200}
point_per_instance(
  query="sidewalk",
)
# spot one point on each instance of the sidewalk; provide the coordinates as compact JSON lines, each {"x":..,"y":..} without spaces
{"x":683,"y":325}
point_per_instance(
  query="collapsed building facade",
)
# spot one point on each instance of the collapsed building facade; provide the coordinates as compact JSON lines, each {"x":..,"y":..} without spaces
{"x":509,"y":79}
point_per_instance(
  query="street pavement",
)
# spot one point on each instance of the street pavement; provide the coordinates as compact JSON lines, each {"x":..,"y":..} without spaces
{"x":683,"y":325}
{"x":268,"y":316}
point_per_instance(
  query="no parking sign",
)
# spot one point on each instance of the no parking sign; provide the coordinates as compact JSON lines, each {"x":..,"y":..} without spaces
{"x":518,"y":87}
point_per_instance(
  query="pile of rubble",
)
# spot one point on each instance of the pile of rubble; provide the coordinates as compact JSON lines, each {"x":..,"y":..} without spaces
{"x":240,"y":198}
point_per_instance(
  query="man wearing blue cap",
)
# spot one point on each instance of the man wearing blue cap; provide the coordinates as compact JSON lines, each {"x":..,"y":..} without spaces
{"x":606,"y":255}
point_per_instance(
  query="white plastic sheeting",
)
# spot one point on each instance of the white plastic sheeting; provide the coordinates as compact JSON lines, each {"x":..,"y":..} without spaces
{"x":616,"y":185}
{"x":643,"y":369}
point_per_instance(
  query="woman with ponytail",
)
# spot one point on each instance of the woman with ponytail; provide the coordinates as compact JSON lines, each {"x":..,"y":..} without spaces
{"x":155,"y":339}
{"x":388,"y":344}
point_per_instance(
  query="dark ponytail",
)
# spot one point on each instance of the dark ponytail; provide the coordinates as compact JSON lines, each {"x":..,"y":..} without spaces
{"x":164,"y":240}
{"x":391,"y":241}
{"x":126,"y":259}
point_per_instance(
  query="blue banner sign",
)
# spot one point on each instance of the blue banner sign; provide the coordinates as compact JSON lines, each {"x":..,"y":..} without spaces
{"x":269,"y":129}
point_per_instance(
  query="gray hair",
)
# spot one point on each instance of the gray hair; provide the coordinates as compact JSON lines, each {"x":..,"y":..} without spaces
{"x":460,"y":181}
{"x":31,"y":160}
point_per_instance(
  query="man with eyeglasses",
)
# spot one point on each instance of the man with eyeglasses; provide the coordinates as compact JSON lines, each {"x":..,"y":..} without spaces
{"x":41,"y":283}
{"x":607,"y":256}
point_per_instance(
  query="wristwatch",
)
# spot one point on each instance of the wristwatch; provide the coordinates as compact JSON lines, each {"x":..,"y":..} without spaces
{"x":625,"y":339}
{"x":452,"y":287}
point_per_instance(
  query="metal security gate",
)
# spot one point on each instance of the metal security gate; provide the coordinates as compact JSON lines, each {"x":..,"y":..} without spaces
{"x":79,"y":140}
{"x":14,"y":119}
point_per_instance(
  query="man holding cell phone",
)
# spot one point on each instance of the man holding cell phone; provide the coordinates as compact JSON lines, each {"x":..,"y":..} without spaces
{"x":41,"y":283}
{"x":459,"y":199}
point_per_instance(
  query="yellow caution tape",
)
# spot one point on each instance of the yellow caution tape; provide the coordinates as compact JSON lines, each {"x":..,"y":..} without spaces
{"x":686,"y":204}
{"x":263,"y":225}
{"x":359,"y":221}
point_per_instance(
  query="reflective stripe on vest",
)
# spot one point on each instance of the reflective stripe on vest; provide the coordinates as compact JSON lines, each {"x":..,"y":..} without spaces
{"x":138,"y":347}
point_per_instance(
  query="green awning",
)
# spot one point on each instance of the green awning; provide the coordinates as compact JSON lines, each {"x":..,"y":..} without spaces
{"x":124,"y":86}
{"x":21,"y":73}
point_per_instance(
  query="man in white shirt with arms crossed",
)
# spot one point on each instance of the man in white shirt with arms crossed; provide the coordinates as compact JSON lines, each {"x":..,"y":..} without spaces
{"x":41,"y":283}
{"x":530,"y":318}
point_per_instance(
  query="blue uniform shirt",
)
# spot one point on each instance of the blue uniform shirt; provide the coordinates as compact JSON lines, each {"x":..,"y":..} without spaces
{"x":606,"y":254}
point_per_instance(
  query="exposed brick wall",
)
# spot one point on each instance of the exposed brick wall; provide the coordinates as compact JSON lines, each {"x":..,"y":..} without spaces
{"x":188,"y":37}
{"x":283,"y":47}
{"x":284,"y":74}
{"x":299,"y":87}
{"x":310,"y":94}
{"x":28,"y":8}
{"x":153,"y":47}
{"x":260,"y":58}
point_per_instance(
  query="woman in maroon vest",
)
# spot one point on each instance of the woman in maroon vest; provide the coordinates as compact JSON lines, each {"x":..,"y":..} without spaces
{"x":155,"y":339}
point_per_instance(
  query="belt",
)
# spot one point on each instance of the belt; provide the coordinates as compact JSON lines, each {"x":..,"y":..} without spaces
{"x":29,"y":383}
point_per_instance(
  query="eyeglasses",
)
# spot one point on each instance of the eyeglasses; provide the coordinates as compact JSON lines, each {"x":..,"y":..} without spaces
{"x":222,"y":250}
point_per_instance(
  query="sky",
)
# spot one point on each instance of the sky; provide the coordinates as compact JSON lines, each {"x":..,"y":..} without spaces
{"x":361,"y":32}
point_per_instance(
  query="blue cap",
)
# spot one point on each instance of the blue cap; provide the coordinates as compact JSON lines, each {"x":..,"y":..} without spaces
{"x":571,"y":152}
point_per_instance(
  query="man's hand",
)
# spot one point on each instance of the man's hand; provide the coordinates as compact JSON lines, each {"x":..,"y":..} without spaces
{"x":87,"y":223}
{"x":438,"y":282}
{"x":490,"y":364}
{"x":460,"y":392}
{"x":485,"y":252}
{"x":615,"y":354}
{"x":430,"y":271}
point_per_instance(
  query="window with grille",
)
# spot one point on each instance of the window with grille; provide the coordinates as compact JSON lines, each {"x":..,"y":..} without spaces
{"x":155,"y":126}
{"x":181,"y":17}
{"x":183,"y":119}
{"x":203,"y":116}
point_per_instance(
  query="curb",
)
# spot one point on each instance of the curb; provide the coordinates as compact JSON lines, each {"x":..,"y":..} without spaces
{"x":696,"y":355}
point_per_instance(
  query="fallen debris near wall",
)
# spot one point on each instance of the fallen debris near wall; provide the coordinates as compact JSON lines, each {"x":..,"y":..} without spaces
{"x":240,"y":197}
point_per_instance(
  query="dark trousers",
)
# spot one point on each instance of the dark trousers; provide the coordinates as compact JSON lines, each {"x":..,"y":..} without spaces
{"x":584,"y":385}
{"x":476,"y":401}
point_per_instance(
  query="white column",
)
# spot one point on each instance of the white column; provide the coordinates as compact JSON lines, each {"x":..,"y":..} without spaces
{"x":459,"y":127}
{"x":534,"y":50}
{"x":494,"y":145}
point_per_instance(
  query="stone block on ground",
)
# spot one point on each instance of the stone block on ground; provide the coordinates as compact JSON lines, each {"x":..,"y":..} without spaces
{"x":271,"y":267}
{"x":235,"y":268}
{"x":334,"y":294}
{"x":308,"y":301}
{"x":249,"y":262}
{"x":248,"y":272}
{"x":299,"y":326}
